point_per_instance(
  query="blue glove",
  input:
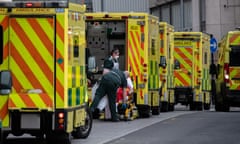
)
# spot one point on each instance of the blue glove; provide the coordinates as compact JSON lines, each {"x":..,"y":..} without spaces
{"x":124,"y":106}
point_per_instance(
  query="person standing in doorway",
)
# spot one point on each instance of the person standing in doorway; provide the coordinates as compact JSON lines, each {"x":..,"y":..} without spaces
{"x":114,"y":57}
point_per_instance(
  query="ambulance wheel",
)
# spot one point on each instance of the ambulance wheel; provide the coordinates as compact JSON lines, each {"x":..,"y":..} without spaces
{"x":156,"y":110}
{"x":144,"y":111}
{"x":206,"y":106}
{"x":164,"y":106}
{"x":84,"y":131}
{"x":171,"y":107}
{"x":199,"y":106}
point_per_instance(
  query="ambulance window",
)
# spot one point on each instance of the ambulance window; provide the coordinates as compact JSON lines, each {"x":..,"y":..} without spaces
{"x":1,"y":44}
{"x":76,"y":46}
{"x":234,"y":56}
{"x":205,"y":58}
{"x":153,"y":47}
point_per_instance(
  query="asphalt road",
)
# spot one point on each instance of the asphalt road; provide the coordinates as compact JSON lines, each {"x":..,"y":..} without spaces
{"x":196,"y":128}
{"x":181,"y":126}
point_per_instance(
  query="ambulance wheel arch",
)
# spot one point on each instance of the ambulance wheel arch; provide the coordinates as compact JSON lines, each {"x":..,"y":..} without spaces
{"x":84,"y":131}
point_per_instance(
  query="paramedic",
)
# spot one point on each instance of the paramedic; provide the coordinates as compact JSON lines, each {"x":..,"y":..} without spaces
{"x":114,"y":57}
{"x":111,"y":80}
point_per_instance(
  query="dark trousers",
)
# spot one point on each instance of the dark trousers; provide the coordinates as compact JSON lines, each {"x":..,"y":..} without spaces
{"x":108,"y":86}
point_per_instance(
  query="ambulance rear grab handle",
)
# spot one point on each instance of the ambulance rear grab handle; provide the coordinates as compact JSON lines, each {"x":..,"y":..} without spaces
{"x":5,"y":82}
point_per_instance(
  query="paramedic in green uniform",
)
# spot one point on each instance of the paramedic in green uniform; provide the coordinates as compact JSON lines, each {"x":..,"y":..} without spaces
{"x":111,"y":80}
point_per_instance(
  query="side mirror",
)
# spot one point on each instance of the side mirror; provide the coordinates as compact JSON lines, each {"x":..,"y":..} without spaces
{"x":91,"y":64}
{"x":163,"y":62}
{"x":176,"y":64}
{"x":5,"y":82}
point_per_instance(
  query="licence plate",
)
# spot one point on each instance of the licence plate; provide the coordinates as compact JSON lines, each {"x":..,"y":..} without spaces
{"x":30,"y":121}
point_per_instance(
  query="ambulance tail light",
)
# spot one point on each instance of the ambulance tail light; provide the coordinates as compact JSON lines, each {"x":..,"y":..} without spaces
{"x":60,"y":120}
{"x":124,"y":17}
{"x":29,"y":5}
{"x":89,"y":17}
{"x":226,"y":73}
{"x":145,"y":67}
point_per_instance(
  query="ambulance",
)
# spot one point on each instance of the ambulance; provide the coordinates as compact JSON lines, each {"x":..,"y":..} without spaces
{"x":43,"y":87}
{"x":192,"y":83}
{"x":166,"y":46}
{"x":136,"y":36}
{"x":228,"y":72}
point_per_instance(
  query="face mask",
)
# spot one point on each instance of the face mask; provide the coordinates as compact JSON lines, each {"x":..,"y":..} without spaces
{"x":116,"y":57}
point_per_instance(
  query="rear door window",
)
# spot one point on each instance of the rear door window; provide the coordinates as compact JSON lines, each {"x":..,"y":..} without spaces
{"x":234,"y":56}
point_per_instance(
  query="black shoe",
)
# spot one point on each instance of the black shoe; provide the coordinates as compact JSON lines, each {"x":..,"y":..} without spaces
{"x":96,"y":114}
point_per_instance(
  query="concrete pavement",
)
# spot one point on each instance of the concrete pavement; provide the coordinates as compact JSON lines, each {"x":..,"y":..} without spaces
{"x":104,"y":131}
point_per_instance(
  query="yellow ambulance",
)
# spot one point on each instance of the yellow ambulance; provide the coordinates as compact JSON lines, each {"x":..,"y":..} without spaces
{"x":43,"y":80}
{"x":228,"y":72}
{"x":136,"y":36}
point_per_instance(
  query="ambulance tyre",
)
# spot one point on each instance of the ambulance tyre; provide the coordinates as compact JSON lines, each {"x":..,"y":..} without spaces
{"x":144,"y":111}
{"x":220,"y":102}
{"x":164,"y":106}
{"x":171,"y":107}
{"x":156,"y":110}
{"x":84,"y":131}
{"x":206,"y":106}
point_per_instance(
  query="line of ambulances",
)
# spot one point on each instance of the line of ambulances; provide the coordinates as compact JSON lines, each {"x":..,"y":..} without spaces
{"x":48,"y":48}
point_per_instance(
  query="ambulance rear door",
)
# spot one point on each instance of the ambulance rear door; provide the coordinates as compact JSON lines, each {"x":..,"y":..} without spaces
{"x":32,"y":61}
{"x":234,"y":62}
{"x":137,"y":57}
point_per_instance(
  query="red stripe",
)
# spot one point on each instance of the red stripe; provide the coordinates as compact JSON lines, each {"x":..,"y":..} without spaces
{"x":161,"y":36}
{"x":27,"y":100}
{"x":5,"y":51}
{"x":234,"y":37}
{"x":178,"y":76}
{"x":133,"y":72}
{"x":16,"y":84}
{"x":11,"y":104}
{"x":161,"y":51}
{"x":4,"y":23}
{"x":4,"y":111}
{"x":47,"y":100}
{"x":60,"y":89}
